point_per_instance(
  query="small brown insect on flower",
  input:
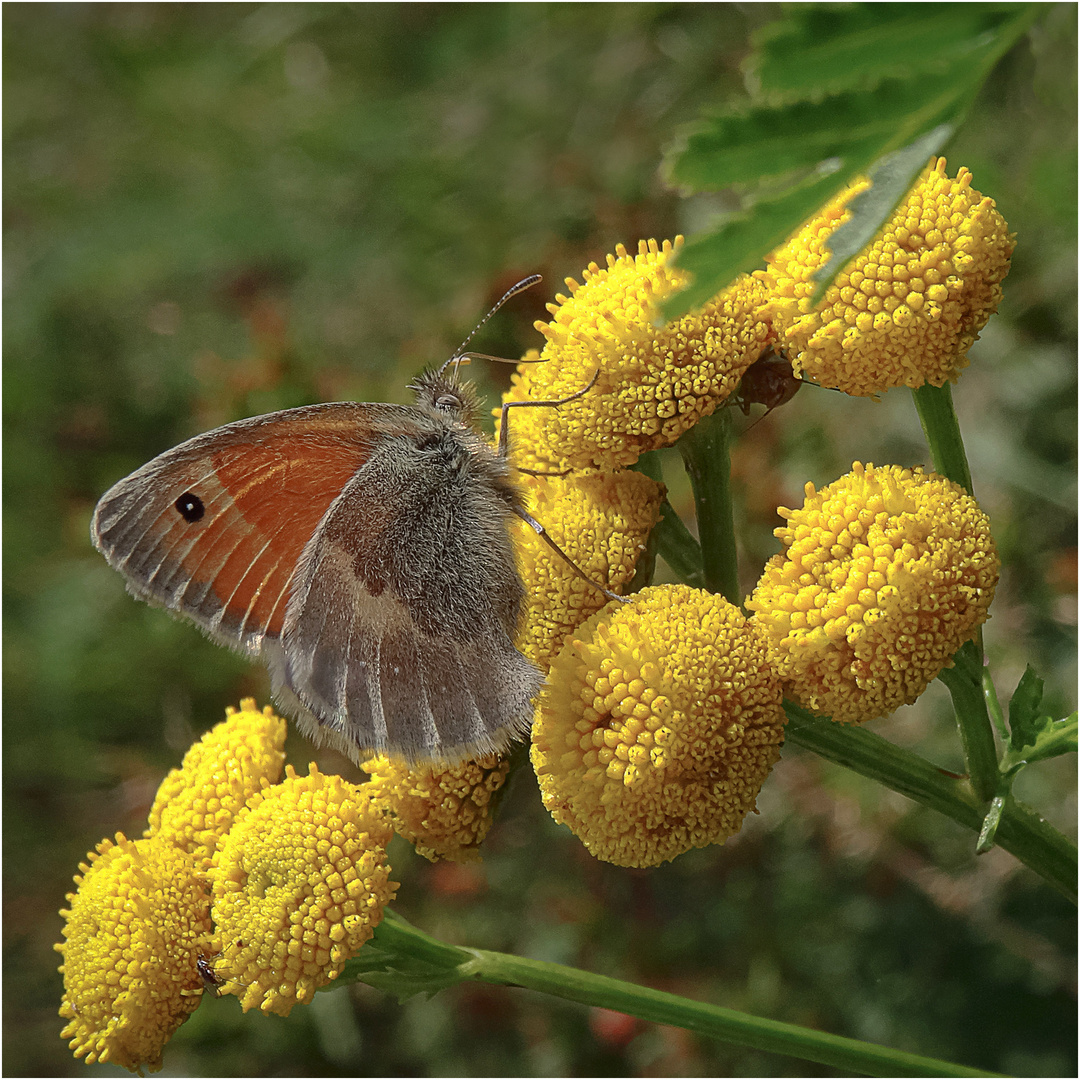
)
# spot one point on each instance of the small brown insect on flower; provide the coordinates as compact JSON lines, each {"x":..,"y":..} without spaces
{"x":768,"y":381}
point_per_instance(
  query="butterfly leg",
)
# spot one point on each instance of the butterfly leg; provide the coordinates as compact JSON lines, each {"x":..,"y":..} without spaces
{"x":504,"y":426}
{"x":546,"y":537}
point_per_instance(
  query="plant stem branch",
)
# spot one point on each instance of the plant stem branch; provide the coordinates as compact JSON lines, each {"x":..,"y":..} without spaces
{"x":677,"y":546}
{"x":964,"y":681}
{"x":706,"y":455}
{"x":1022,"y":832}
{"x":942,"y":431}
{"x":404,"y":947}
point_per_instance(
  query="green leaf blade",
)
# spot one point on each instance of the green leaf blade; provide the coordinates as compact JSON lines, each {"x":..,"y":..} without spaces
{"x":890,"y":181}
{"x":849,"y":85}
{"x":829,"y":49}
{"x":1024,"y":720}
{"x":740,"y":244}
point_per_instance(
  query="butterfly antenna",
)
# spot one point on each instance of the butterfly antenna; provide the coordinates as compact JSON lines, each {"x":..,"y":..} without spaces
{"x":460,"y":353}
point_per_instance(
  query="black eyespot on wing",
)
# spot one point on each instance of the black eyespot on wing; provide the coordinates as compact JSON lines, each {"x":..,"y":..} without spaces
{"x":190,"y":507}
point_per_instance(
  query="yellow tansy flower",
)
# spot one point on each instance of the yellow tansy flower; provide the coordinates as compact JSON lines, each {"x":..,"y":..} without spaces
{"x":886,"y":573}
{"x":445,"y":812}
{"x":908,"y":308}
{"x":196,"y":804}
{"x":602,"y":521}
{"x":652,"y":382}
{"x":133,"y":934}
{"x":298,"y":885}
{"x":659,"y":724}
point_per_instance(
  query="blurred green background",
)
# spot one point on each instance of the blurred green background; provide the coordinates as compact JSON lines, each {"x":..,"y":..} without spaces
{"x":213,"y":211}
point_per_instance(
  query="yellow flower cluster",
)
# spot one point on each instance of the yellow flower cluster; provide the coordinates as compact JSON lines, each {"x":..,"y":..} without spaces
{"x":885,"y":574}
{"x":662,"y":717}
{"x":445,"y":812}
{"x":660,"y":721}
{"x":600,"y":520}
{"x":133,"y":935}
{"x":196,"y":804}
{"x":652,"y":382}
{"x":908,"y":308}
{"x":298,"y":885}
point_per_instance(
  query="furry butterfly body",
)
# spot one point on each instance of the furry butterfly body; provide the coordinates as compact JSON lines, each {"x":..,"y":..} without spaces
{"x":361,"y":550}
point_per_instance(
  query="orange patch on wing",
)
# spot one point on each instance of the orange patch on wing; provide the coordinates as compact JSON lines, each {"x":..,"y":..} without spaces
{"x":282,"y":491}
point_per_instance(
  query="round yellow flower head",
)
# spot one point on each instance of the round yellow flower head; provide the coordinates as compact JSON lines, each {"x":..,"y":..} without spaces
{"x":886,"y":573}
{"x":908,"y":308}
{"x":298,"y":885}
{"x":659,"y":724}
{"x":196,"y":803}
{"x":444,"y":811}
{"x":602,"y":521}
{"x":133,"y":934}
{"x":652,"y":382}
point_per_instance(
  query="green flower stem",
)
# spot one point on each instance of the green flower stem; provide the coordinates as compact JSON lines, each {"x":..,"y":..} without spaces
{"x":964,"y":682}
{"x":993,"y":705}
{"x":670,"y":538}
{"x":942,"y":431}
{"x":706,"y":456}
{"x":677,"y":546}
{"x":408,"y":950}
{"x":1021,"y":831}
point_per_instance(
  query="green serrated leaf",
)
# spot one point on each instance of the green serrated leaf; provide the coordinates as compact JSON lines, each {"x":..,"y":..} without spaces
{"x":819,"y":49}
{"x":1054,"y":738}
{"x":1025,"y":722}
{"x":891,"y":179}
{"x":908,"y":107}
{"x":741,"y":243}
{"x":857,"y":128}
{"x":1034,"y":736}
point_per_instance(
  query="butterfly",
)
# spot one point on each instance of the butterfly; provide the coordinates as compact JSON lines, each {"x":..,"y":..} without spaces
{"x":362,"y":551}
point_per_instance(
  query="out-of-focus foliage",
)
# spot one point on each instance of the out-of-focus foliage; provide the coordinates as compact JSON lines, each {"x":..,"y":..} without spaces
{"x":217,"y":210}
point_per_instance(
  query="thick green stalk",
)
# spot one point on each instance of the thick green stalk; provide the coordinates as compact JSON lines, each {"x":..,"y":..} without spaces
{"x":942,"y":431}
{"x":676,"y":544}
{"x":965,"y":685}
{"x":1022,"y":832}
{"x":706,"y":455}
{"x":670,"y":538}
{"x":413,"y":961}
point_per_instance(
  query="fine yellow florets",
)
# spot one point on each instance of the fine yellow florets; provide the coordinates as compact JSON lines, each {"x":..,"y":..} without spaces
{"x":444,"y":812}
{"x":602,"y":521}
{"x":660,"y":721}
{"x":886,"y":573}
{"x":196,"y":803}
{"x":652,"y":382}
{"x":135,"y":929}
{"x":908,"y":308}
{"x":299,"y":884}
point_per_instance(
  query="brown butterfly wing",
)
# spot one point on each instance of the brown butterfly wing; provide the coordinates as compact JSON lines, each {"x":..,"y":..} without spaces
{"x":381,"y":591}
{"x":420,"y":662}
{"x":214,"y":528}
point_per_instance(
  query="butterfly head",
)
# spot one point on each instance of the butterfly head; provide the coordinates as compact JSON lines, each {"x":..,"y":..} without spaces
{"x":445,"y":396}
